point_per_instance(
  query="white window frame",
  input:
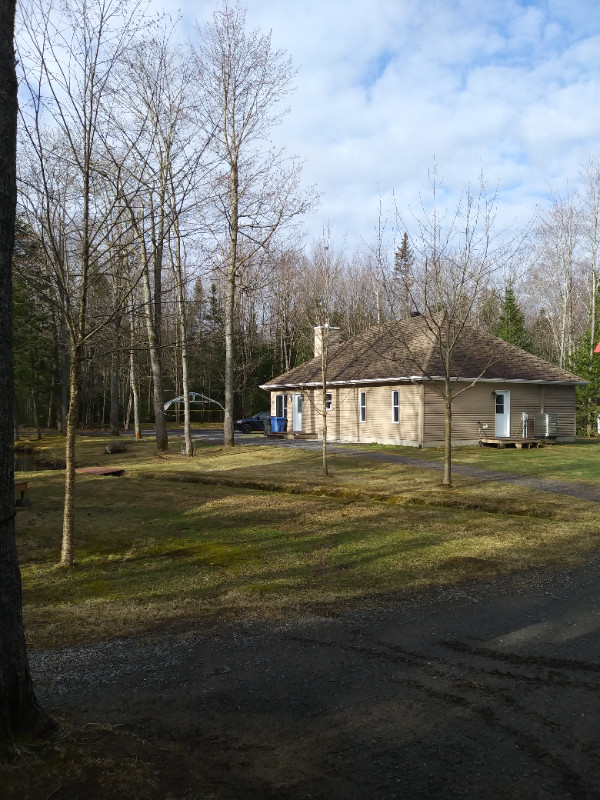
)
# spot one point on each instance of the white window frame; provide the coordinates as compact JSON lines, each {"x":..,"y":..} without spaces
{"x":362,"y":406}
{"x":281,"y":400}
{"x":396,"y":406}
{"x":328,"y":401}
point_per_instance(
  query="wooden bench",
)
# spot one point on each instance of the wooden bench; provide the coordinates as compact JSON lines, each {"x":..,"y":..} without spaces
{"x":21,"y":490}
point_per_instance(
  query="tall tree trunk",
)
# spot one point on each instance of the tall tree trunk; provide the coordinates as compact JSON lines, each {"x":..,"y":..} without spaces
{"x":135,"y":391}
{"x":447,"y":479}
{"x":178,"y":270}
{"x":68,"y":531}
{"x":160,"y":423}
{"x":229,"y":361}
{"x":324,"y":355}
{"x":114,"y":389}
{"x":63,"y":372}
{"x":230,"y":306}
{"x":102,"y":415}
{"x":50,"y":403}
{"x":36,"y":416}
{"x":20,"y":712}
{"x":187,"y":428}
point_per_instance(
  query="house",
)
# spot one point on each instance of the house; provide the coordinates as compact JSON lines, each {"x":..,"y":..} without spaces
{"x":386,"y":385}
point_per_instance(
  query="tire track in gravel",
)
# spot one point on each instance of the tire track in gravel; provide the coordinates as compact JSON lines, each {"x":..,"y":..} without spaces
{"x":488,"y":692}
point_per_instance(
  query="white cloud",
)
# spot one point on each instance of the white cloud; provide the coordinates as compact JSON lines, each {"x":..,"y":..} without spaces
{"x":512,"y":88}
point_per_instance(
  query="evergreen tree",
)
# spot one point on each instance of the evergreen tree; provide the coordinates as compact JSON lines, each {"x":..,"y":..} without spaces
{"x":32,"y":350}
{"x":586,"y":364}
{"x":404,"y":262}
{"x":511,"y":325}
{"x":487,"y":310}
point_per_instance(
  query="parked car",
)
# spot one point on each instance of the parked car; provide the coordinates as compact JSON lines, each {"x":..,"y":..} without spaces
{"x":255,"y":423}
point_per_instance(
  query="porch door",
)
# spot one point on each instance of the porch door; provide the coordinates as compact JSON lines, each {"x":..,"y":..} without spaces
{"x":502,"y":414}
{"x":297,"y":413}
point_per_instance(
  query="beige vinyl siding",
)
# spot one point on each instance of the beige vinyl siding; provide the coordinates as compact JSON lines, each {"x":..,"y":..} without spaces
{"x":467,"y":409}
{"x":561,"y":400}
{"x":477,"y":404}
{"x":343,"y":421}
{"x":344,"y":405}
{"x":379,"y":426}
{"x":422,"y":412}
{"x":524,"y":399}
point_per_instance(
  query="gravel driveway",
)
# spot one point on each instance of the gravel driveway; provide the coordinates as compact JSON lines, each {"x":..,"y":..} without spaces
{"x":485,"y":691}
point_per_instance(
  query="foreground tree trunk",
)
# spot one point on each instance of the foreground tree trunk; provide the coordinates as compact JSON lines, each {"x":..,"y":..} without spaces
{"x":68,"y":532}
{"x":179,"y":275}
{"x":324,"y":353}
{"x":135,"y":392}
{"x":160,"y":423}
{"x":115,"y":366}
{"x":20,"y":712}
{"x":228,"y":437}
{"x":447,"y":479}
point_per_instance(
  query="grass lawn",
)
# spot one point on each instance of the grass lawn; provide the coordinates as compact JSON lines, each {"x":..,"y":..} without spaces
{"x":578,"y":462}
{"x":258,"y":531}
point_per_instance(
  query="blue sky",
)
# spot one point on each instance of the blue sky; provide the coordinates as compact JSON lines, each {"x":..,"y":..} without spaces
{"x":504,"y":87}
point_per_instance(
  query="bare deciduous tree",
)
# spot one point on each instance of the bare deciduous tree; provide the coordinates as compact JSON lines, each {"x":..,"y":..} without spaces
{"x":591,"y":237}
{"x":68,"y":60}
{"x":256,"y":189}
{"x":558,"y":270}
{"x":455,"y":256}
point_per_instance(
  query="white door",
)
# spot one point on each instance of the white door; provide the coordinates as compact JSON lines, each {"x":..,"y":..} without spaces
{"x":297,"y":413}
{"x":502,"y":414}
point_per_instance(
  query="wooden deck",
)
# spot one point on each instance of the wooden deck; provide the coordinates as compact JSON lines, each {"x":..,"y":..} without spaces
{"x":520,"y":444}
{"x":116,"y":471}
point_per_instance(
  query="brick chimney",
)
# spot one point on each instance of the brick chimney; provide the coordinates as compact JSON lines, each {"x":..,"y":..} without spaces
{"x":327,"y":333}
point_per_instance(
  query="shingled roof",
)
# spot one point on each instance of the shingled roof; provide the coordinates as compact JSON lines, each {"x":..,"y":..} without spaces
{"x":410,"y":350}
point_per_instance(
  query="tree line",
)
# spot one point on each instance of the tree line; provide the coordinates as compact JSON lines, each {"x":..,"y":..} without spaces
{"x":159,"y":247}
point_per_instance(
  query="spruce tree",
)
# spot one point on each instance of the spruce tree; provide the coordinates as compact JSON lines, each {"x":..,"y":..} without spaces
{"x":586,"y":364}
{"x":511,"y":325}
{"x":403,"y":271}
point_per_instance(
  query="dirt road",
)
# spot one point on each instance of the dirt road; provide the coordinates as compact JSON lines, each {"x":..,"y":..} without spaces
{"x":487,"y":691}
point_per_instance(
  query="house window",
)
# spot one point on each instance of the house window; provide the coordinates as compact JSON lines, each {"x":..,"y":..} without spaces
{"x":281,"y":405}
{"x":395,"y":406}
{"x":363,"y":406}
{"x":328,"y":401}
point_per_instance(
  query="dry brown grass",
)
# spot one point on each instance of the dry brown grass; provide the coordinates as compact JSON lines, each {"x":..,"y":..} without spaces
{"x":259,"y":531}
{"x":232,"y":534}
